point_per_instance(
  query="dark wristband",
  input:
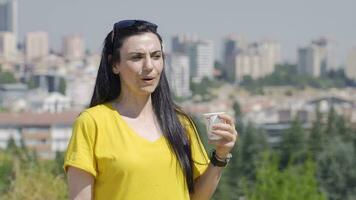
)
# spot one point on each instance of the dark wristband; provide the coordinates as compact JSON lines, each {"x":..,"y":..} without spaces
{"x":217,"y":162}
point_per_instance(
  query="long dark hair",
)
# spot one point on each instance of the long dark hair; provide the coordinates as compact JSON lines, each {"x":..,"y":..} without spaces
{"x":107,"y":88}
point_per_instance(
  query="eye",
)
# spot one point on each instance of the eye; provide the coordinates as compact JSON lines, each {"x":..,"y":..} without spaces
{"x":136,"y":57}
{"x":157,"y":56}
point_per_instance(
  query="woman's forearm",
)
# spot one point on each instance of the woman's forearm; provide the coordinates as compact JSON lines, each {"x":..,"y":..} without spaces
{"x":206,"y":184}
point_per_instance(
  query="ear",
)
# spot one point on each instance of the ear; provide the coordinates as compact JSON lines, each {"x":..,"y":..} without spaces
{"x":115,"y":69}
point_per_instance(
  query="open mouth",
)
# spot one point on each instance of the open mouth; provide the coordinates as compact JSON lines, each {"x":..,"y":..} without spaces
{"x":149,"y":80}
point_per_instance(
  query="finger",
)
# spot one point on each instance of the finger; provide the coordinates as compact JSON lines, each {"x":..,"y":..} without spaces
{"x":225,"y":135}
{"x":228,"y":119}
{"x":220,"y":143}
{"x":225,"y":127}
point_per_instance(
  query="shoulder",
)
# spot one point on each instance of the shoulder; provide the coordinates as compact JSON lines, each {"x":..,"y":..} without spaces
{"x":98,"y":110}
{"x":184,"y":118}
{"x":187,"y":123}
{"x":93,"y":115}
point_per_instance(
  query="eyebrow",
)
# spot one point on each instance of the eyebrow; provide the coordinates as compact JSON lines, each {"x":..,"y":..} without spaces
{"x":154,"y":52}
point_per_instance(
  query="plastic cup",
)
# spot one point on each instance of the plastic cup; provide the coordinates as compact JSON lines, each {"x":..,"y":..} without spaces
{"x":211,"y":119}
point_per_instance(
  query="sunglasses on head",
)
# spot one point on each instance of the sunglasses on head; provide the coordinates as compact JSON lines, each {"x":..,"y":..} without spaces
{"x":125,"y":24}
{"x":129,"y":23}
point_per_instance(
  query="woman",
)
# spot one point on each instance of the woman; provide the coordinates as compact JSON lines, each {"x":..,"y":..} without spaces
{"x":134,"y":142}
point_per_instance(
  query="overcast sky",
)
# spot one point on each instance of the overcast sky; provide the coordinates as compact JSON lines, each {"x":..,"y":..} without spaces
{"x":292,"y":23}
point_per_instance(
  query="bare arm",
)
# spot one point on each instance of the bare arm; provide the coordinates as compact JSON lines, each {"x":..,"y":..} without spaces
{"x":81,"y":184}
{"x":207,"y":183}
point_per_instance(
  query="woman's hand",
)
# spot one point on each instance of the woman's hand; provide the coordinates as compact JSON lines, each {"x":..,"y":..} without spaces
{"x":228,"y":135}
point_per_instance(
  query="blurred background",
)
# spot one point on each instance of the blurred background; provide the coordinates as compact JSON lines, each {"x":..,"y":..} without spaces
{"x":286,"y":70}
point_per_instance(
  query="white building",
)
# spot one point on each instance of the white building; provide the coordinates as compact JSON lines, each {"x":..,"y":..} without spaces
{"x":317,"y":58}
{"x":56,"y":103}
{"x":351,"y":65}
{"x":73,"y":47}
{"x":46,"y":133}
{"x":201,"y":57}
{"x":36,"y":45}
{"x":178,"y":74}
{"x":270,"y":52}
{"x":256,"y":60}
{"x":80,"y":87}
{"x":200,"y":53}
{"x":326,"y":49}
{"x":247,"y":64}
{"x":8,"y":48}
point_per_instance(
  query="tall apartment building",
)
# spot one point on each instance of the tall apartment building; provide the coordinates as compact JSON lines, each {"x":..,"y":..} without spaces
{"x":178,"y":74}
{"x":36,"y":45}
{"x":200,"y":53}
{"x":247,"y":64}
{"x":7,"y":45}
{"x":73,"y":47}
{"x":326,"y":49}
{"x":350,"y":70}
{"x":201,"y":57}
{"x":309,"y":61}
{"x":8,"y":16}
{"x":181,"y":43}
{"x":233,"y":44}
{"x":317,"y":58}
{"x":256,"y":60}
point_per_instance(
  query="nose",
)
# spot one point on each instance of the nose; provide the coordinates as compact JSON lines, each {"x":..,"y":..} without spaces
{"x":148,"y":64}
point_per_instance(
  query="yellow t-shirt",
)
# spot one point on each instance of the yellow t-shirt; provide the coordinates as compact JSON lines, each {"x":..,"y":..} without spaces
{"x":125,"y":165}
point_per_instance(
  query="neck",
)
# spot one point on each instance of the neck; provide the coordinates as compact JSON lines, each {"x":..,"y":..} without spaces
{"x":134,"y":106}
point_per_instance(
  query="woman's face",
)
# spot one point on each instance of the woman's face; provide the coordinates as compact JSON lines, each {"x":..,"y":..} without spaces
{"x":141,"y":64}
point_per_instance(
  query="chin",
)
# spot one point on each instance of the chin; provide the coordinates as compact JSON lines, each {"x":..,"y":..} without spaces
{"x":148,"y":90}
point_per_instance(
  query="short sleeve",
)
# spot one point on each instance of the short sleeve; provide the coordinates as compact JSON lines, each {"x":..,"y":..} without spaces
{"x":199,"y":155}
{"x":80,"y":151}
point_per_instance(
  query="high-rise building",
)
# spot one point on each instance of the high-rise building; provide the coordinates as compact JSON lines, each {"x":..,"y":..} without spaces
{"x":7,"y":45}
{"x":36,"y":46}
{"x":317,"y":58}
{"x":326,"y":48}
{"x":201,"y":55}
{"x":8,"y":16}
{"x":309,"y":61}
{"x":256,"y":60}
{"x":233,"y":44}
{"x":181,"y":43}
{"x":178,"y":74}
{"x":73,"y":47}
{"x":247,"y":64}
{"x":351,"y":65}
{"x":270,"y":52}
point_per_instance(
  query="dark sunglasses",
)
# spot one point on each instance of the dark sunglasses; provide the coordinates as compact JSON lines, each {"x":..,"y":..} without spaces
{"x":125,"y":24}
{"x":129,"y":23}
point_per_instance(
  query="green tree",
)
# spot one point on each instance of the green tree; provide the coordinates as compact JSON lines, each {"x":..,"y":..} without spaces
{"x":316,"y":138}
{"x":331,"y":123}
{"x":295,"y":182}
{"x":6,"y":166}
{"x":7,"y":77}
{"x":36,"y":183}
{"x":293,"y":146}
{"x":336,"y":170}
{"x":62,"y":86}
{"x":238,"y":116}
{"x":248,"y":152}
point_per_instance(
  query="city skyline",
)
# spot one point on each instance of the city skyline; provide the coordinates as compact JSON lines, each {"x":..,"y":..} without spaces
{"x":292,"y":24}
